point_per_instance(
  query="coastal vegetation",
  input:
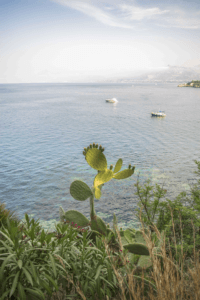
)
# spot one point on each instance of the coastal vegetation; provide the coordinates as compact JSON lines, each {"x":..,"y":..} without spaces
{"x":193,"y":83}
{"x":86,"y":259}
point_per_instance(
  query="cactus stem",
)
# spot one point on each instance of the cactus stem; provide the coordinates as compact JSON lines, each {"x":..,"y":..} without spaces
{"x":92,"y":211}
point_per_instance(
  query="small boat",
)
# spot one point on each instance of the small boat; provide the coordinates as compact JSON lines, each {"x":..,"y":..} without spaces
{"x":113,"y":100}
{"x":158,"y":114}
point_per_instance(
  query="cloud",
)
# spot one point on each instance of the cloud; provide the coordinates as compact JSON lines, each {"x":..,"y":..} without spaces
{"x":119,"y":14}
{"x":94,"y":12}
{"x":182,"y":19}
{"x":137,"y":13}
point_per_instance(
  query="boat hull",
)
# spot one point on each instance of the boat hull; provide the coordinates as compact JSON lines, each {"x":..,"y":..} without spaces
{"x":158,"y":114}
{"x":111,"y":100}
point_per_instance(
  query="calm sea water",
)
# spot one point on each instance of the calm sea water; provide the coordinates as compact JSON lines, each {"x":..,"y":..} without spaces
{"x":44,"y":128}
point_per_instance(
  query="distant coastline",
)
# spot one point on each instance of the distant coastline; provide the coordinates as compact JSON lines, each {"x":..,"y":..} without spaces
{"x":193,"y":83}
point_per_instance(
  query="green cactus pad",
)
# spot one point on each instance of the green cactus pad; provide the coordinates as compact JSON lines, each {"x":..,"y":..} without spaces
{"x":79,"y":190}
{"x":139,"y":237}
{"x":99,"y":225}
{"x":77,"y":218}
{"x":144,"y":261}
{"x":61,"y":213}
{"x":123,"y":174}
{"x":118,"y":165}
{"x":123,"y":240}
{"x":129,"y":236}
{"x":97,"y":193}
{"x":96,"y":159}
{"x":102,"y":177}
{"x":136,"y":248}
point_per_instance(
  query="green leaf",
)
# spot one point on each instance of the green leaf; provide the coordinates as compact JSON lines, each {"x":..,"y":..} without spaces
{"x":118,"y":165}
{"x":123,"y":174}
{"x":97,"y":193}
{"x":14,"y":284}
{"x":45,"y":285}
{"x":98,"y":272}
{"x":102,"y":177}
{"x":19,"y":262}
{"x":36,"y":292}
{"x":52,"y":281}
{"x":7,"y":237}
{"x":28,"y":276}
{"x":79,"y":190}
{"x":53,"y":265}
{"x":22,"y":294}
{"x":34,"y":274}
{"x":76,"y":217}
{"x":4,"y":264}
{"x":96,"y":159}
{"x":4,"y":295}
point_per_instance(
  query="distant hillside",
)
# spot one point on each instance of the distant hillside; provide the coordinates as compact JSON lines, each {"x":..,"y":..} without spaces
{"x":171,"y":74}
{"x":193,"y":83}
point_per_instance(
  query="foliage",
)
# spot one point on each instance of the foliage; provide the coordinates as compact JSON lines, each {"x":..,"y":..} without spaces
{"x":7,"y":214}
{"x":34,"y":262}
{"x":169,"y":212}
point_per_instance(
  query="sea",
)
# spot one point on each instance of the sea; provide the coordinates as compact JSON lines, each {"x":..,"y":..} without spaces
{"x":45,"y":127}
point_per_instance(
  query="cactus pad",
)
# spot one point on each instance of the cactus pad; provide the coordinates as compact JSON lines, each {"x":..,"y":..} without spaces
{"x":123,"y":174}
{"x":77,"y":218}
{"x":137,"y":249}
{"x":139,"y":237}
{"x":96,"y":159}
{"x":102,"y":177}
{"x":99,"y":225}
{"x":144,"y":261}
{"x":61,"y":213}
{"x":129,"y":235}
{"x":97,"y":193}
{"x":79,"y":190}
{"x":118,"y":165}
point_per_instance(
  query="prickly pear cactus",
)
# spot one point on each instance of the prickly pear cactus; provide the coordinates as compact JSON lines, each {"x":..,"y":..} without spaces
{"x":80,"y":191}
{"x":136,"y":245}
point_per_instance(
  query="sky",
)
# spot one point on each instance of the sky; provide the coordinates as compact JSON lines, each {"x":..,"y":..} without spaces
{"x":95,"y":40}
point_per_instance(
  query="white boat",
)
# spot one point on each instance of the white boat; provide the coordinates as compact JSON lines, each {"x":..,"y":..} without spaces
{"x":158,"y":114}
{"x":113,"y":100}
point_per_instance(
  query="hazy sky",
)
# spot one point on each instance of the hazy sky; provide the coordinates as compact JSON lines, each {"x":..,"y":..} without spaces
{"x":88,"y":40}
